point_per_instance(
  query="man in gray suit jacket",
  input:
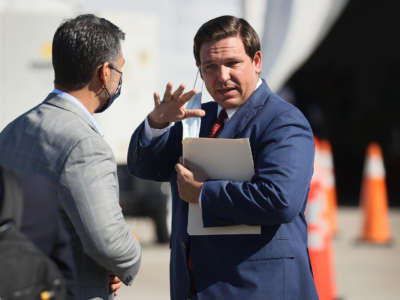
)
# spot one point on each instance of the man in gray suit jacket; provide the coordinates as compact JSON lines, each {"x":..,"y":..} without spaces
{"x":59,"y":141}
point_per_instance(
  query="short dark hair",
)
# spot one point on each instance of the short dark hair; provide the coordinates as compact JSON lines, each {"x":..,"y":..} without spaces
{"x":223,"y":27}
{"x":80,"y":45}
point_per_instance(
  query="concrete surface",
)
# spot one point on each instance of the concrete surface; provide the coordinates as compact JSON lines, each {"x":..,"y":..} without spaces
{"x":363,"y":272}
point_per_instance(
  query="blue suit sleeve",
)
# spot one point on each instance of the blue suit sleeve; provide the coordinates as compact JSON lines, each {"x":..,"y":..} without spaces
{"x":155,"y":160}
{"x":283,"y":157}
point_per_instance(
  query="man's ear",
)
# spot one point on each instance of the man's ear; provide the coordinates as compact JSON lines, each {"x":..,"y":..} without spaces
{"x":104,"y":72}
{"x":257,"y":61}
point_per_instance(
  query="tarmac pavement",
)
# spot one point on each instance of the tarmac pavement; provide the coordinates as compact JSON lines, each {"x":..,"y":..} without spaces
{"x":362,"y":271}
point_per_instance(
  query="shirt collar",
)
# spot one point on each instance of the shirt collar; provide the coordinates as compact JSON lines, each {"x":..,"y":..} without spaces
{"x":231,"y":111}
{"x":71,"y":98}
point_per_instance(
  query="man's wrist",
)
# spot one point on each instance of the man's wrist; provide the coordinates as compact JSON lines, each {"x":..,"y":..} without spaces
{"x":199,"y":189}
{"x":154,"y":124}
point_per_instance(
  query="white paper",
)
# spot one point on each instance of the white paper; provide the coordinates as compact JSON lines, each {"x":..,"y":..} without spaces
{"x":224,"y":159}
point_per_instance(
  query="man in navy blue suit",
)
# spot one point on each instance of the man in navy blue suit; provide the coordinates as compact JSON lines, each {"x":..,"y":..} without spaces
{"x":274,"y":264}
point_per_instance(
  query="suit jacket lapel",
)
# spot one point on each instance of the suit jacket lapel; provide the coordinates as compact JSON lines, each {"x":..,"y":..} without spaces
{"x":246,"y":112}
{"x":55,"y":100}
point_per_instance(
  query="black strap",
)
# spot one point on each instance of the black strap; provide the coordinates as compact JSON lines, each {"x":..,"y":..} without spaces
{"x":11,"y":203}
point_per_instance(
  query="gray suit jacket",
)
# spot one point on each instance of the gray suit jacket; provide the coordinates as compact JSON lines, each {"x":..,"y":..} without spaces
{"x":58,"y":141}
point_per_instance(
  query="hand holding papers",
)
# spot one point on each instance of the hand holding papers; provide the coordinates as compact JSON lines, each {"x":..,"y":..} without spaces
{"x":225,"y":159}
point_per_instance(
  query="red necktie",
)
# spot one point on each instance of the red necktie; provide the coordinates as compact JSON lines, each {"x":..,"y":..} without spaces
{"x":218,"y":125}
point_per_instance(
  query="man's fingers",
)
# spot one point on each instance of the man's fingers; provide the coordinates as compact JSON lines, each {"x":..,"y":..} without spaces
{"x":168,"y":92}
{"x":179,"y":168}
{"x":156,"y":99}
{"x":114,"y":279}
{"x":192,"y":113}
{"x":115,"y":286}
{"x":178,"y":92}
{"x":186,"y":97}
{"x":182,"y":172}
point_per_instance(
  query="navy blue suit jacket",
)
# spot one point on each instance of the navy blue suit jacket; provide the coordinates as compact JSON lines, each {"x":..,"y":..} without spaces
{"x":273,"y":265}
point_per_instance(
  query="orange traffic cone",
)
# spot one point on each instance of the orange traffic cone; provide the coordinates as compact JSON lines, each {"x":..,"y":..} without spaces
{"x":329,"y":184}
{"x":373,"y":200}
{"x":319,"y":234}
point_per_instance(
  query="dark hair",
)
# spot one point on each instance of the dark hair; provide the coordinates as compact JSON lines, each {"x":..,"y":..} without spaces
{"x":80,"y":45}
{"x":223,"y":27}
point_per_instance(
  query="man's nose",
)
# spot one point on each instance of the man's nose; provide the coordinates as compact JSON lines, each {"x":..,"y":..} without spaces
{"x":223,"y":74}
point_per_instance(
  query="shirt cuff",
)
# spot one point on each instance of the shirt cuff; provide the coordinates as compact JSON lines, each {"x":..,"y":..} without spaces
{"x":152,"y":133}
{"x":201,"y":192}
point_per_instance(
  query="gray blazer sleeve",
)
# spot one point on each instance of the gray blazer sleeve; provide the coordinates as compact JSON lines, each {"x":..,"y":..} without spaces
{"x":91,"y":200}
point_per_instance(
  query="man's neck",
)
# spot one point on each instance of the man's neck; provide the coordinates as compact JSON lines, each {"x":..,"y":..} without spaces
{"x":84,"y":95}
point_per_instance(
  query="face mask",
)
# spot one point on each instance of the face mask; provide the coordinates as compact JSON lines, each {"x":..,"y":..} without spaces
{"x":111,"y":98}
{"x":191,"y":126}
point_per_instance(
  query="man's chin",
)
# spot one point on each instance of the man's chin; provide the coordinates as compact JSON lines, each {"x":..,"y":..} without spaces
{"x":229,"y":103}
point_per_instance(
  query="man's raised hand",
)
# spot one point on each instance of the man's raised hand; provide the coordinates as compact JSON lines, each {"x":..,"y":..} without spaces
{"x":171,"y":108}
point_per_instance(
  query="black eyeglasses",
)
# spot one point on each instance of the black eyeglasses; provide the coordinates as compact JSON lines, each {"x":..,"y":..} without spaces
{"x":115,"y":69}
